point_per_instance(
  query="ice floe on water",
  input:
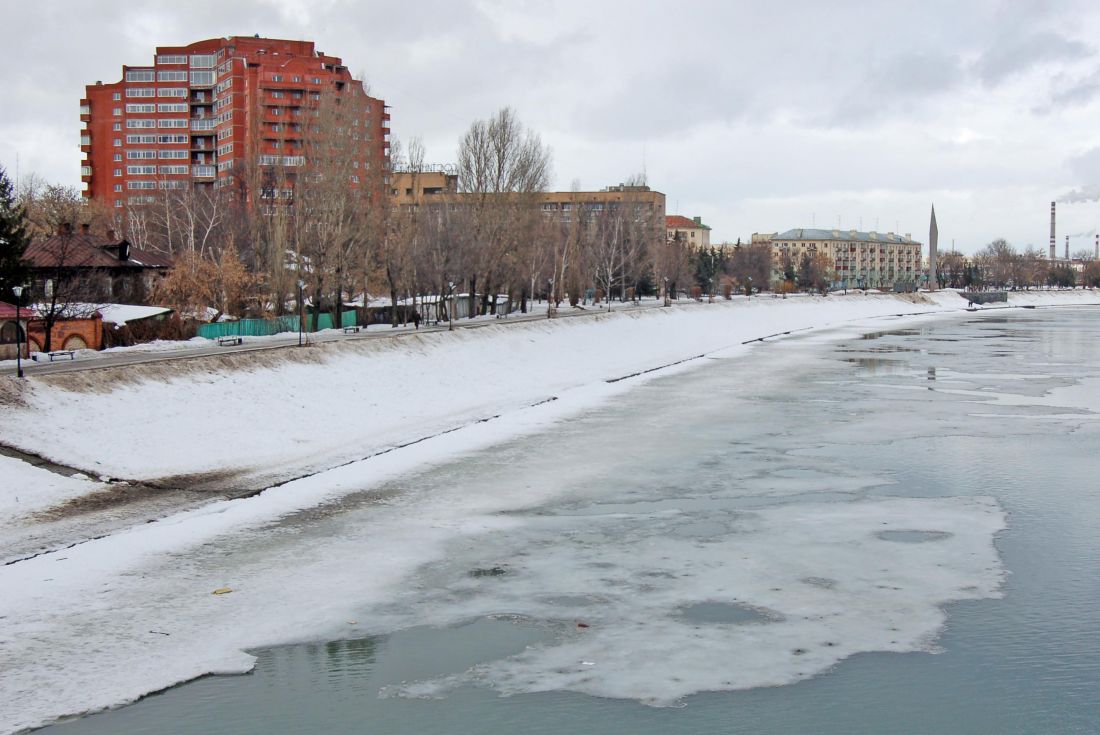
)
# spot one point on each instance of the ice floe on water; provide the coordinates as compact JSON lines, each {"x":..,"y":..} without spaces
{"x":778,"y":595}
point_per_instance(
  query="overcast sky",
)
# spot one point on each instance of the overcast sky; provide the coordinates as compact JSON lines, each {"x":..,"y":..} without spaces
{"x":756,"y":118}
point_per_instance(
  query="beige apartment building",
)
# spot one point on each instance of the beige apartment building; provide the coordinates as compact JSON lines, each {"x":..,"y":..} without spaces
{"x":641,"y":200}
{"x":416,"y":187}
{"x":691,"y":231}
{"x":858,"y":259}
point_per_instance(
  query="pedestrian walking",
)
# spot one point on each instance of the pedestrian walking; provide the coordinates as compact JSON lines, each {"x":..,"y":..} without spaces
{"x":416,"y":319}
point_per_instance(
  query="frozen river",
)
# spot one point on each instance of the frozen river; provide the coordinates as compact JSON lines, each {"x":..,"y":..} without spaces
{"x":889,"y":531}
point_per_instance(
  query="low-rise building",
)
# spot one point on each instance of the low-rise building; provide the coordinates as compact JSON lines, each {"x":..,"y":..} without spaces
{"x":690,"y":231}
{"x":858,"y":259}
{"x":13,"y":332}
{"x":423,"y":185}
{"x":89,"y":267}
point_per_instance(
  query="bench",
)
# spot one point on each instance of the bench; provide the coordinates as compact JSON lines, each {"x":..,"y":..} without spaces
{"x":351,"y":330}
{"x":230,"y":339}
{"x":71,"y":354}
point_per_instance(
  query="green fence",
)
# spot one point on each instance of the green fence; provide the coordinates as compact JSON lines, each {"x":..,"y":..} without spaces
{"x":266,"y":327}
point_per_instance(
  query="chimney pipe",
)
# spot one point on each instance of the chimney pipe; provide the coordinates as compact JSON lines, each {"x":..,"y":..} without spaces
{"x":1096,"y":253}
{"x":1052,"y":254}
{"x":1067,"y":247}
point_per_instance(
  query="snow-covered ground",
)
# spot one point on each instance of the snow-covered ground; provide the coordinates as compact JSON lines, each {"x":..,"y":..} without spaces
{"x":271,"y":416}
{"x":285,"y":414}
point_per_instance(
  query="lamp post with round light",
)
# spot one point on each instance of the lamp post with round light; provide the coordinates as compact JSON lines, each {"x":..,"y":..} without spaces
{"x":19,"y":332}
{"x":451,"y":306}
{"x":301,"y":311}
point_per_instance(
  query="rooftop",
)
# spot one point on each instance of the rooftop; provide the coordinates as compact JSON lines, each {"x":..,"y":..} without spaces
{"x":844,"y":236}
{"x":680,"y":222}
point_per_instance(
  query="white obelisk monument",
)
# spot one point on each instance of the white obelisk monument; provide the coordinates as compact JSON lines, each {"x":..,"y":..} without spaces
{"x":933,"y":243}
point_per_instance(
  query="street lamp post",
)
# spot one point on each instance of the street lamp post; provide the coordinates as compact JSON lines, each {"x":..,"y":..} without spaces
{"x":710,"y":290}
{"x":301,"y":311}
{"x":750,"y":286}
{"x":668,"y":298}
{"x":18,"y":291}
{"x":550,"y":308}
{"x":451,"y":306}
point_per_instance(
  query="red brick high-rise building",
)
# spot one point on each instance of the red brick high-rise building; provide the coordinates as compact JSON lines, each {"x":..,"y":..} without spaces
{"x":206,"y":113}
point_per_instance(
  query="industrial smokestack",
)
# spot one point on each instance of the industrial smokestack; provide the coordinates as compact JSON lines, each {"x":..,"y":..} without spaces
{"x":1067,"y":247}
{"x":1096,"y":253}
{"x":1052,"y":230}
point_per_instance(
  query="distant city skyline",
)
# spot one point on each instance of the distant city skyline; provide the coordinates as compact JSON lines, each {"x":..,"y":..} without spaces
{"x":756,"y":119}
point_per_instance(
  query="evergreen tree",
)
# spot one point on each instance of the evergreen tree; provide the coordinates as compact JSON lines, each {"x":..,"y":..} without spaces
{"x":13,"y":240}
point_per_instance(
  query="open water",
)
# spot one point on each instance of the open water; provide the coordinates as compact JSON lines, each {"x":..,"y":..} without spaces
{"x":893,"y":531}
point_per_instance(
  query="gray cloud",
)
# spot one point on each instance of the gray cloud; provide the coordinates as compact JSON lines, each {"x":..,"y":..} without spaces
{"x":842,"y":108}
{"x":1020,"y":52}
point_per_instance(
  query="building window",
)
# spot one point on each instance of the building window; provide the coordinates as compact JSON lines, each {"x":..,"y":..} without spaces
{"x":175,"y":154}
{"x":116,"y":96}
{"x":202,"y":78}
{"x":118,"y":187}
{"x":138,"y":108}
{"x":172,"y":139}
{"x":118,"y":172}
{"x":175,"y":123}
{"x":139,"y":154}
{"x":118,"y":157}
{"x":117,"y":111}
{"x":118,"y":203}
{"x":116,"y":126}
{"x":276,"y":77}
{"x":171,"y":59}
{"x":171,"y":76}
{"x":172,"y":92}
{"x":172,"y":107}
{"x":173,"y":169}
{"x":139,"y":75}
{"x":141,"y":92}
{"x":141,"y":139}
{"x":141,"y":170}
{"x":204,"y":61}
{"x":146,"y":123}
{"x":117,"y":142}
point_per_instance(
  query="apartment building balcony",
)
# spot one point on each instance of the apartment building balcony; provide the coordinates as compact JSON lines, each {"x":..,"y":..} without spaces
{"x":203,"y":172}
{"x":203,"y":123}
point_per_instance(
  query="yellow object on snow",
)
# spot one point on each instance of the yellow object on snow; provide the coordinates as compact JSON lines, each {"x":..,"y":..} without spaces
{"x":221,"y":591}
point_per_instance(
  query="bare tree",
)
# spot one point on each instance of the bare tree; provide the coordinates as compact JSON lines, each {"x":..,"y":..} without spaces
{"x":501,"y":165}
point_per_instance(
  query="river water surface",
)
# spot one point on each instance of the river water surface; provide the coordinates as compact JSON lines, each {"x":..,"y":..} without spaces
{"x":889,"y":531}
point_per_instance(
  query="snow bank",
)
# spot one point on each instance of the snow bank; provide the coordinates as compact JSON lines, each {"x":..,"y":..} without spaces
{"x":278,"y":416}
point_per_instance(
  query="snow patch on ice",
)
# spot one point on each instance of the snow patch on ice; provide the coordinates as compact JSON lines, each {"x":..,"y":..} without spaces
{"x":638,"y":644}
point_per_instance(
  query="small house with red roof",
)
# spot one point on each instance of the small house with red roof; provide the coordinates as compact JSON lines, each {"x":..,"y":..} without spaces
{"x":690,"y":231}
{"x":93,"y":268}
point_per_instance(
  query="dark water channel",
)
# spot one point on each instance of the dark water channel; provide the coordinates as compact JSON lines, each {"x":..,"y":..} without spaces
{"x":749,"y":498}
